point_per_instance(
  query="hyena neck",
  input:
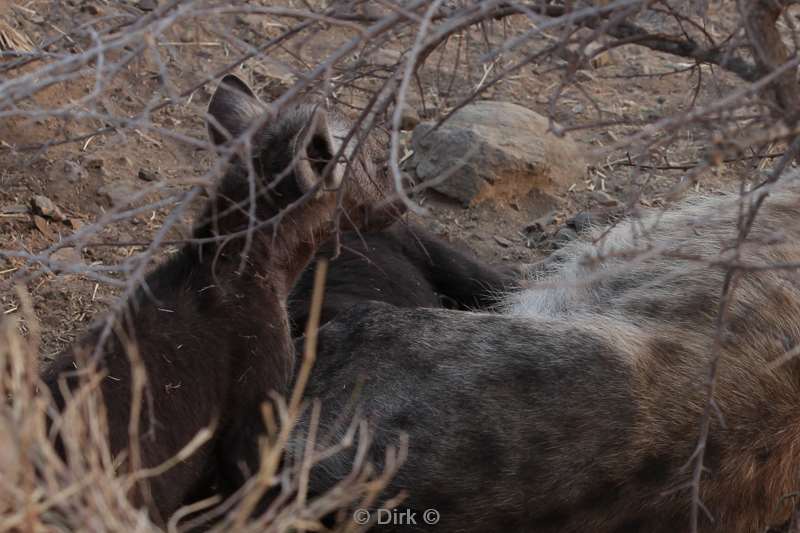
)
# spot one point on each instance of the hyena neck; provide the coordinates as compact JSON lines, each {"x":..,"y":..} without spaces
{"x":270,"y":257}
{"x":272,"y":243}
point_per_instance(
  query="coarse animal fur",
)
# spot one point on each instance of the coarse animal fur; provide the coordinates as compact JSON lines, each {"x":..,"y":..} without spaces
{"x":404,"y":265}
{"x":210,"y":324}
{"x":579,"y":409}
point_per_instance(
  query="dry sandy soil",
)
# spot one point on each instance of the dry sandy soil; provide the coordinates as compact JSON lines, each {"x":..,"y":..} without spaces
{"x":86,"y":178}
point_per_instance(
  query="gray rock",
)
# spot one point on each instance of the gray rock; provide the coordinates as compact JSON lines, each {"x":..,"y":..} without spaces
{"x":47,"y":208}
{"x":494,"y":149}
{"x":581,"y":222}
{"x":538,"y":226}
{"x":73,"y":171}
{"x":584,"y":221}
{"x":66,"y":256}
{"x":95,"y":164}
{"x":437,"y":227}
{"x":409,"y":119}
{"x":604,"y":199}
{"x":75,"y":223}
{"x":117,"y":193}
{"x":91,"y":9}
{"x":147,"y":5}
{"x":41,"y":224}
{"x":540,"y":204}
{"x":564,"y":236}
{"x":502,"y":241}
{"x":535,"y":240}
{"x":148,"y":175}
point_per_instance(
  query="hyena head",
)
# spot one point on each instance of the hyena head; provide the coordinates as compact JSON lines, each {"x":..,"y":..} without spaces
{"x":299,"y":154}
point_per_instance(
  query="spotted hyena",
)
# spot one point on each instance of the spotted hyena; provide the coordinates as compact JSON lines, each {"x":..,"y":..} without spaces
{"x":579,"y":408}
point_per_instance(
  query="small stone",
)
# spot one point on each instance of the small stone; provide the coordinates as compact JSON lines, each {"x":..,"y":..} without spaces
{"x":563,"y":236}
{"x":603,"y":59}
{"x":33,"y":17}
{"x":66,"y":256}
{"x":189,"y":35}
{"x":502,"y":241}
{"x":95,"y":163}
{"x":578,"y":109}
{"x":118,"y":193}
{"x":73,"y":171}
{"x":386,"y":56}
{"x":534,"y":240}
{"x":600,"y":57}
{"x":409,"y":119}
{"x":254,"y":20}
{"x":539,"y":225}
{"x":147,"y":5}
{"x":75,"y":223}
{"x":438,"y":228}
{"x":581,"y":222}
{"x":47,"y":208}
{"x":41,"y":225}
{"x":91,"y":9}
{"x":148,"y":175}
{"x":604,"y":199}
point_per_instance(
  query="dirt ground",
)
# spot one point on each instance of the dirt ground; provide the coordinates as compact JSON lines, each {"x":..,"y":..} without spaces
{"x":84,"y":180}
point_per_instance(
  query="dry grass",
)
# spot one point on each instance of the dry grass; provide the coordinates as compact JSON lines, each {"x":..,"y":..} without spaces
{"x":82,"y":489}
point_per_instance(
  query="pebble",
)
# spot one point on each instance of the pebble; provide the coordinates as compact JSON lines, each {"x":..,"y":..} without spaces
{"x":47,"y":208}
{"x":67,"y":256}
{"x":91,"y":9}
{"x":73,"y":172}
{"x":502,"y":241}
{"x":539,"y":225}
{"x":564,"y":236}
{"x":95,"y":163}
{"x":581,"y":222}
{"x":41,"y":225}
{"x":409,"y":119}
{"x":147,"y":5}
{"x":438,"y":228}
{"x":148,"y":175}
{"x":604,"y":199}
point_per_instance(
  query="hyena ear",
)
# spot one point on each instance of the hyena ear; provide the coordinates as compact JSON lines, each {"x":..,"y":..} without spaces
{"x":232,"y":109}
{"x":314,"y":147}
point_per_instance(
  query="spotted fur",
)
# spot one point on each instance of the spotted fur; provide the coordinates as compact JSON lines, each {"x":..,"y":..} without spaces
{"x":580,"y":407}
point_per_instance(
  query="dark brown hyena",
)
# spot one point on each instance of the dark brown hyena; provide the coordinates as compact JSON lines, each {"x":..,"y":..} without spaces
{"x":210,"y":324}
{"x":404,"y":265}
{"x":579,"y":409}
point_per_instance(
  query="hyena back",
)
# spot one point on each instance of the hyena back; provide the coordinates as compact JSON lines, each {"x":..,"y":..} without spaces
{"x":580,"y":407}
